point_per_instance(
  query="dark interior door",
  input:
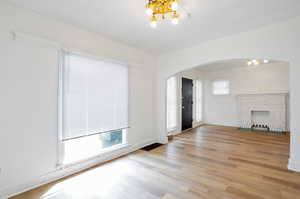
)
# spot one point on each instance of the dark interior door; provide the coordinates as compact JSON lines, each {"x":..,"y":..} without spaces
{"x":187,"y":104}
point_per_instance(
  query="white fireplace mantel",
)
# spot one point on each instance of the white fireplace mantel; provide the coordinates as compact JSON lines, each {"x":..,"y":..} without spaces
{"x":274,"y":105}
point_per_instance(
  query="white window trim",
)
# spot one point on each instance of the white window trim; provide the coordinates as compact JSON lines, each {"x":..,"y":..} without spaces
{"x":60,"y":143}
{"x":195,"y":100}
{"x":220,"y":80}
{"x":174,"y":128}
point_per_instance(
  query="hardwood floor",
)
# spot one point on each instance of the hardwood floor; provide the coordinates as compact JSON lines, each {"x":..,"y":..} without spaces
{"x":208,"y":162}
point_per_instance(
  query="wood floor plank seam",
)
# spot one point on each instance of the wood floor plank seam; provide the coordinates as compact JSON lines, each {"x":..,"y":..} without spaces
{"x":209,"y":162}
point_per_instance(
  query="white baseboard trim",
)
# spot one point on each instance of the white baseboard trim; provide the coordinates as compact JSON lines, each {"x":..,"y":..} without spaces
{"x":163,"y":140}
{"x":293,"y":165}
{"x":60,"y":173}
{"x":221,"y":125}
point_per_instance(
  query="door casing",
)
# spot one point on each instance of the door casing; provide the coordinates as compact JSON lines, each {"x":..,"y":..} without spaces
{"x":187,"y":104}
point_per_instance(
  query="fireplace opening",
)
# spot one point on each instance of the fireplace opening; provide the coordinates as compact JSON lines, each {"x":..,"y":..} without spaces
{"x":260,"y":120}
{"x":260,"y":127}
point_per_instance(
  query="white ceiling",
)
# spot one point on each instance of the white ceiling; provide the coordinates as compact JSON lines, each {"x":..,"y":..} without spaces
{"x":125,"y":20}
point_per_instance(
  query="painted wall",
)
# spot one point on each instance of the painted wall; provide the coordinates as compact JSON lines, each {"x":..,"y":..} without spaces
{"x":28,"y":147}
{"x":222,"y":109}
{"x":279,"y":41}
{"x":29,"y":84}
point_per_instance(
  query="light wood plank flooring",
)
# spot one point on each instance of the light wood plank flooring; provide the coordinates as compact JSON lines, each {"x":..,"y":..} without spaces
{"x":208,"y":162}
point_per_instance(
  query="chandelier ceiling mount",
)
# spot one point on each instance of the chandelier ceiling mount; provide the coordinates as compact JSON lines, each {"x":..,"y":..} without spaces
{"x":160,"y":9}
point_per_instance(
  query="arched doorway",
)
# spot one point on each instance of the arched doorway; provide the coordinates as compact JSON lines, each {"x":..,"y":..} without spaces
{"x":216,"y":89}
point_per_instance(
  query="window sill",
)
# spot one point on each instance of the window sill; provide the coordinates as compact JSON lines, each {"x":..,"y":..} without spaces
{"x":103,"y":152}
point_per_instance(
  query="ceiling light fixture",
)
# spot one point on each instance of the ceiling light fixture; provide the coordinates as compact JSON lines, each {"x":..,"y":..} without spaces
{"x":175,"y":18}
{"x":159,"y":9}
{"x":149,"y":11}
{"x":153,"y":22}
{"x":257,"y":62}
{"x":174,"y":5}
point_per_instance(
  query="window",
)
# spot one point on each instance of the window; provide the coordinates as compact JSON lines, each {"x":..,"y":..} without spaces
{"x":89,"y":146}
{"x":221,"y":87}
{"x":94,"y":106}
{"x":171,"y":104}
{"x":198,"y":99}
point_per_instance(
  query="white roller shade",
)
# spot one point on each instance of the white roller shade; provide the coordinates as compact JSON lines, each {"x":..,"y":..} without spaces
{"x":95,"y":96}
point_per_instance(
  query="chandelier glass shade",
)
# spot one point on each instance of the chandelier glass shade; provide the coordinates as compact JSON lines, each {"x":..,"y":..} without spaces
{"x":160,"y":9}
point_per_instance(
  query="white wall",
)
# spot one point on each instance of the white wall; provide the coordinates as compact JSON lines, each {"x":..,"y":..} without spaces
{"x":28,"y":147}
{"x":278,"y":41}
{"x":28,"y":104}
{"x":265,"y":78}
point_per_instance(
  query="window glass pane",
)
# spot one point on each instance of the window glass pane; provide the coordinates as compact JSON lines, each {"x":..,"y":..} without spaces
{"x":171,"y":103}
{"x":86,"y":147}
{"x":198,"y":90}
{"x":221,"y":87}
{"x":111,"y":138}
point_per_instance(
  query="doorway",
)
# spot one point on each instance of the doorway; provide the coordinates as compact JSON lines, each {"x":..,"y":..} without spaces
{"x":187,"y":104}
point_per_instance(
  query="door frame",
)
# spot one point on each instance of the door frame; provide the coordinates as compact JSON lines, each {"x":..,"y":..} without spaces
{"x":193,"y":104}
{"x":179,"y":111}
{"x":179,"y":77}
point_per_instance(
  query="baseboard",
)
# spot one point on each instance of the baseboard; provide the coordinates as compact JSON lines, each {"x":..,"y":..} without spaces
{"x":221,"y":125}
{"x":186,"y":130}
{"x":293,"y":165}
{"x":163,"y":140}
{"x":61,"y":173}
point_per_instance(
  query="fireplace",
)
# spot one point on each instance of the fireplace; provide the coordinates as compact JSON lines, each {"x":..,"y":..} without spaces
{"x":260,"y":120}
{"x":264,"y":112}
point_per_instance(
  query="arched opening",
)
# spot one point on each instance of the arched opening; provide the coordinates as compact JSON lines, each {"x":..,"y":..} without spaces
{"x":234,"y":92}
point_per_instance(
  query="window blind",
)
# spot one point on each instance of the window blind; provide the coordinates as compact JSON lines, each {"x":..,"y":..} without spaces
{"x":221,"y":87}
{"x":171,"y":103}
{"x":95,"y":96}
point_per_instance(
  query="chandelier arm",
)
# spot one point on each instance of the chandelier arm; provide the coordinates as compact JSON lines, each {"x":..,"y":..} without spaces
{"x":161,"y":9}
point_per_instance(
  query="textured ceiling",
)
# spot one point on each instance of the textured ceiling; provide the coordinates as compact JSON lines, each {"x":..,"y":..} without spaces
{"x":125,"y":20}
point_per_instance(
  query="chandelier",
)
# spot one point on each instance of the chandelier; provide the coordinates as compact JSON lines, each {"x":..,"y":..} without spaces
{"x":159,"y":9}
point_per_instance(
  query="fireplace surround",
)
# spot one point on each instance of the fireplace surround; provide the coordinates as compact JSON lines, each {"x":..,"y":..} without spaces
{"x":264,"y":112}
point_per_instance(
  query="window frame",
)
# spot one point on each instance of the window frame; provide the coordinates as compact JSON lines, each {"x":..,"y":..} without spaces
{"x":213,"y":87}
{"x":60,"y":107}
{"x":173,"y":128}
{"x":196,"y":100}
